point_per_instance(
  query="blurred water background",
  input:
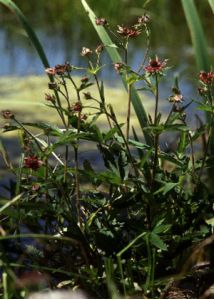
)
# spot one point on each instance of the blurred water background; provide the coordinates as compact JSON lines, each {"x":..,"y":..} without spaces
{"x":63,"y":28}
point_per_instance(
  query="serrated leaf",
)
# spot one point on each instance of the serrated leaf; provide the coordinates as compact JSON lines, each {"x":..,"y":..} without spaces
{"x":157,"y":241}
{"x":48,"y":128}
{"x":163,"y":228}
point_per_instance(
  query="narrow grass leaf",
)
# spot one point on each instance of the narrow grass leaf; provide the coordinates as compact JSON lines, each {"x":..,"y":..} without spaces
{"x":11,"y":202}
{"x":211,"y":2}
{"x":197,"y":34}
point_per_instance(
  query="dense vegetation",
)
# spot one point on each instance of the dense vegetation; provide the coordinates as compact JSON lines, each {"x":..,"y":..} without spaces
{"x":125,"y":230}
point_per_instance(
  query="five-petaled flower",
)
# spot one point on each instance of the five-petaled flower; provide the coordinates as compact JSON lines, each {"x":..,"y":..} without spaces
{"x":7,"y":114}
{"x":32,"y":162}
{"x":206,"y":77}
{"x":128,"y":32}
{"x":155,"y":66}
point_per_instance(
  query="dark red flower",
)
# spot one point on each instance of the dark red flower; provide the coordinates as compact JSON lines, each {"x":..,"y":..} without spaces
{"x":155,"y":66}
{"x":32,"y":162}
{"x":7,"y":114}
{"x":77,"y":107}
{"x":128,"y":32}
{"x":101,"y":21}
{"x":206,"y":77}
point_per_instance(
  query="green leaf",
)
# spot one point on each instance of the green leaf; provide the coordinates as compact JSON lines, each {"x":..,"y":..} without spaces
{"x":163,"y":127}
{"x":110,"y":133}
{"x":183,"y":142}
{"x":92,"y":217}
{"x":157,"y":241}
{"x":10,"y":202}
{"x":171,"y":158}
{"x":206,"y":107}
{"x":5,"y":156}
{"x":166,"y":188}
{"x":211,"y":2}
{"x":162,"y":228}
{"x":48,"y":128}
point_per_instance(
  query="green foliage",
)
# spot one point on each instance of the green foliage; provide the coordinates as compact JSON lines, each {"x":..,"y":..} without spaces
{"x":119,"y":230}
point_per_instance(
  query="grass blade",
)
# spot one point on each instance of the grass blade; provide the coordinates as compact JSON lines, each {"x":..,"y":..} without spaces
{"x":115,"y":57}
{"x":11,"y":202}
{"x":197,"y":34}
{"x":211,"y":2}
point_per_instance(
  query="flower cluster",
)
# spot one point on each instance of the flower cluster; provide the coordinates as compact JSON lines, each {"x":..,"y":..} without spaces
{"x":32,"y":162}
{"x":128,"y":32}
{"x":59,"y":69}
{"x":76,"y":107}
{"x":155,"y":66}
{"x":206,"y":77}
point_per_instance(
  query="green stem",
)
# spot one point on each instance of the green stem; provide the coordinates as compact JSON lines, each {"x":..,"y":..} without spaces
{"x":5,"y":287}
{"x":156,"y":141}
{"x":103,"y":101}
{"x":128,"y":112}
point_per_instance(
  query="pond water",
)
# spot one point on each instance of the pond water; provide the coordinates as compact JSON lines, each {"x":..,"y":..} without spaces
{"x":63,"y":28}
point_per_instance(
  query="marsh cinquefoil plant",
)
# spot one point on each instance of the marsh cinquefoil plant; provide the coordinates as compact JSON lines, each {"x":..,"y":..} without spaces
{"x":119,"y":230}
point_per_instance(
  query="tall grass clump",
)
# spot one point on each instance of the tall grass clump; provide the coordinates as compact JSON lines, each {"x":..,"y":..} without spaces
{"x":132,"y":226}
